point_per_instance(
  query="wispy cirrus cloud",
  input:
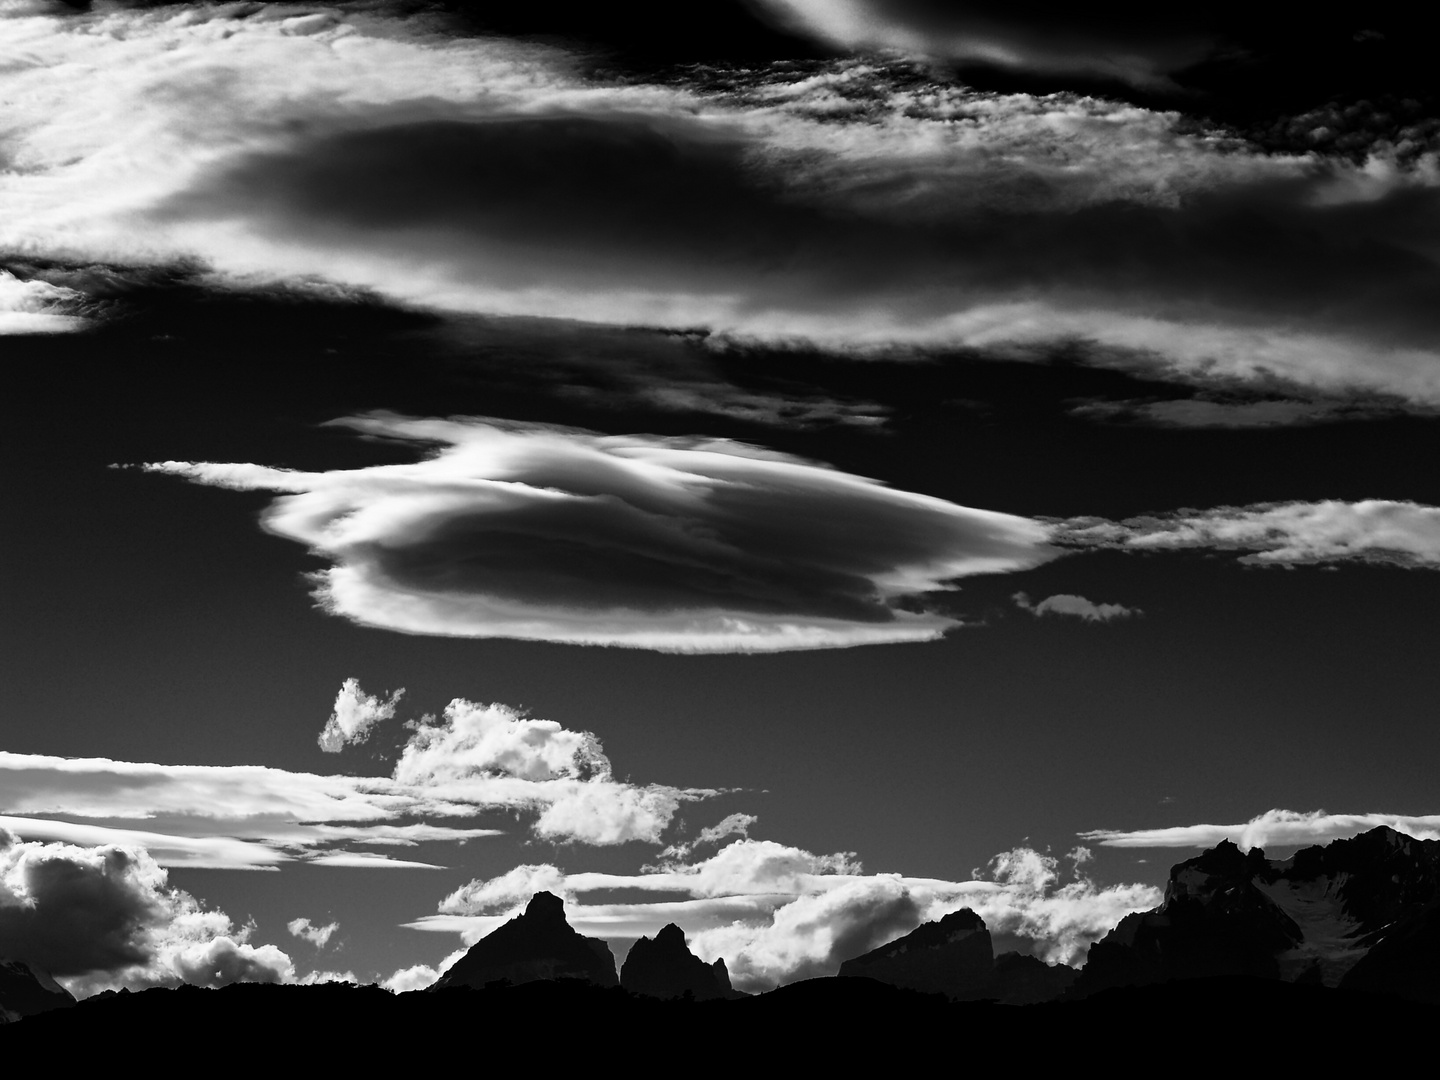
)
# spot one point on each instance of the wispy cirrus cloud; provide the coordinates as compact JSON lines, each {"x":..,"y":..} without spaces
{"x":1272,"y":828}
{"x":681,"y":545}
{"x":778,"y":913}
{"x":473,"y":760}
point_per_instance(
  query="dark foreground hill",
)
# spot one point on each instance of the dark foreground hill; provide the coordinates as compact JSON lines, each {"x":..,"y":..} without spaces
{"x":852,"y":1021}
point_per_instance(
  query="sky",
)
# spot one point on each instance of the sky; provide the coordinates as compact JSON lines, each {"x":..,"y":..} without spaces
{"x":794,"y":471}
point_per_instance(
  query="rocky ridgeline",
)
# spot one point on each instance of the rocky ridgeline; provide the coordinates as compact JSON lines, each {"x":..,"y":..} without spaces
{"x":1316,"y":937}
{"x":1362,"y":913}
{"x":955,"y":957}
{"x":27,"y":991}
{"x":664,"y":967}
{"x":536,"y":945}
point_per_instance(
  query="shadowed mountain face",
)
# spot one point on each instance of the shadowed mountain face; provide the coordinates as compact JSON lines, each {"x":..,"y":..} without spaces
{"x":534,"y":946}
{"x":664,"y":967}
{"x":26,"y":991}
{"x":1361,"y":913}
{"x":955,"y":957}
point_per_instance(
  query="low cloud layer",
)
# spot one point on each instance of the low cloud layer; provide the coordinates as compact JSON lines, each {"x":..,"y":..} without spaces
{"x":1274,"y":828}
{"x":1075,"y":606}
{"x":681,"y":545}
{"x":473,"y":760}
{"x":103,"y":917}
{"x":1385,"y":531}
{"x":778,"y":914}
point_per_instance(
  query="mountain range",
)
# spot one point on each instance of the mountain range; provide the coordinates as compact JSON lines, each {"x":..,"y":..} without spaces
{"x":1350,"y":922}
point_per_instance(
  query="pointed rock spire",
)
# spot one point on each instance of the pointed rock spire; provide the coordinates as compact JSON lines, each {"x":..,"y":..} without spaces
{"x":538,"y":944}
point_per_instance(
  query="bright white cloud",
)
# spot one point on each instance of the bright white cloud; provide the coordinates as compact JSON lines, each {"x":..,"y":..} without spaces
{"x":420,"y":976}
{"x":778,"y":913}
{"x":220,"y":136}
{"x":319,"y":936}
{"x":1279,"y":534}
{"x":1133,"y":52}
{"x":1273,"y":828}
{"x":37,"y":307}
{"x":689,"y":545}
{"x":1076,"y":606}
{"x":473,"y":760}
{"x":355,"y":713}
{"x":105,"y":917}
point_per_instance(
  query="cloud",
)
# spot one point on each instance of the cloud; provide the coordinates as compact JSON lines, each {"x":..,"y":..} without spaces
{"x":319,"y":936}
{"x":1272,"y":828}
{"x":1404,"y":534}
{"x":1078,"y":606}
{"x":1202,"y":412}
{"x":355,"y":713}
{"x":473,"y":760}
{"x":37,"y":307}
{"x":852,"y":205}
{"x":1053,"y":41}
{"x":103,"y":917}
{"x":681,"y":545}
{"x":731,"y":825}
{"x":420,"y":976}
{"x":778,"y":913}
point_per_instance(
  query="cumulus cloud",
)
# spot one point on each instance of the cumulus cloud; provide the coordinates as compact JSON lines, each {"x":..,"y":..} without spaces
{"x":682,"y":545}
{"x":105,"y":917}
{"x":1076,"y":606}
{"x":1402,"y":534}
{"x":855,"y":206}
{"x":37,"y":307}
{"x":319,"y":936}
{"x":420,"y":976}
{"x":355,"y":713}
{"x":1272,"y":828}
{"x":472,"y":760}
{"x":778,"y":913}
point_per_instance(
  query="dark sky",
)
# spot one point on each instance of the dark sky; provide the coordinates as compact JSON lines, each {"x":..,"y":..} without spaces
{"x":805,"y":480}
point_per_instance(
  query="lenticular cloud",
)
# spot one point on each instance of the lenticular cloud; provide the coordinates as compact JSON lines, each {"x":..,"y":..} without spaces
{"x":681,"y":545}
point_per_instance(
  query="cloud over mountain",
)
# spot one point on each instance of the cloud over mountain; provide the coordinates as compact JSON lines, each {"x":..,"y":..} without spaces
{"x":778,"y":913}
{"x":105,"y":916}
{"x":1272,"y":828}
{"x":681,"y":545}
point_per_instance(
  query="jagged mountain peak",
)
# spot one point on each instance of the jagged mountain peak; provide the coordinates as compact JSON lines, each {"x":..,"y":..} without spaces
{"x":538,"y":944}
{"x":1364,"y":909}
{"x":664,"y":967}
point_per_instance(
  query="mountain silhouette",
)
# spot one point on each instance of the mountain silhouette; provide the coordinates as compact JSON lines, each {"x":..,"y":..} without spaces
{"x":955,"y":957}
{"x":535,"y":945}
{"x":27,"y":991}
{"x":1361,"y":913}
{"x":664,"y":967}
{"x":952,"y":957}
